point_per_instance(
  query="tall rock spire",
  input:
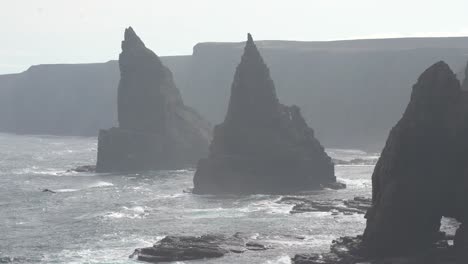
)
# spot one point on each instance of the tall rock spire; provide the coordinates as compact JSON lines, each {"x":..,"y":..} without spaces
{"x":156,"y":130}
{"x":146,"y":87}
{"x":262,"y":146}
{"x":253,"y":95}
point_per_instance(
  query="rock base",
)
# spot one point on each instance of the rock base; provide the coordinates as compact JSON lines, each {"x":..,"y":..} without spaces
{"x":249,"y":175}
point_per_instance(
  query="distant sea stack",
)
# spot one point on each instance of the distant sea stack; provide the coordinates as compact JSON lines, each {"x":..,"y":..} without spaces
{"x":156,"y":130}
{"x":422,"y":172}
{"x":262,"y":146}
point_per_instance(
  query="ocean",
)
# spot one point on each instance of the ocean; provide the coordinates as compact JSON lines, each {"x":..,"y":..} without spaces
{"x":102,"y":218}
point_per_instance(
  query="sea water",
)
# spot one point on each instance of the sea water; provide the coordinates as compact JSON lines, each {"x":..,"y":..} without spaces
{"x":102,"y":218}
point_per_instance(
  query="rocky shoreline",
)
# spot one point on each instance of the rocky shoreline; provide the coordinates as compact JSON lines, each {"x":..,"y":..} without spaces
{"x":181,"y":248}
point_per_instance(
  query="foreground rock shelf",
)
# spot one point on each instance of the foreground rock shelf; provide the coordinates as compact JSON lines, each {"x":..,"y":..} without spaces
{"x":347,"y":250}
{"x":181,"y":248}
{"x":358,"y":205}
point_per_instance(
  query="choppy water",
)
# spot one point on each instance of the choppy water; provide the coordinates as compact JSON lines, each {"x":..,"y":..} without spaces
{"x":102,"y":218}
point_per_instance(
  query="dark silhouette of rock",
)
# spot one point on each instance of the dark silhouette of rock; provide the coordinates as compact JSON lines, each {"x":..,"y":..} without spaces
{"x":156,"y":130}
{"x":464,"y":83}
{"x":420,"y":177}
{"x":182,"y":248}
{"x":415,"y":178}
{"x":262,"y":146}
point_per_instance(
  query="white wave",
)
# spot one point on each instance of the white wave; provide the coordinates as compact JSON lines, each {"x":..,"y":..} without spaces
{"x":355,"y":182}
{"x":218,"y":212}
{"x":100,"y":184}
{"x":267,"y":206}
{"x":119,"y":215}
{"x":65,"y":190}
{"x":38,"y":171}
{"x":136,"y":212}
{"x":281,"y":260}
{"x":136,"y":209}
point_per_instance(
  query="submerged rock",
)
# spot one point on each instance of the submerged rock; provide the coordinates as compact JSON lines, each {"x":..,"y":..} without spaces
{"x":156,"y":130}
{"x":262,"y":146}
{"x":84,"y":168}
{"x":181,"y":248}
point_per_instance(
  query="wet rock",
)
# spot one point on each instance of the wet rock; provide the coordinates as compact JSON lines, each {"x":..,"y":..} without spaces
{"x":334,"y":185}
{"x":84,"y":168}
{"x":262,"y":146}
{"x":181,"y":248}
{"x":356,"y":161}
{"x":358,"y":205}
{"x":156,"y":130}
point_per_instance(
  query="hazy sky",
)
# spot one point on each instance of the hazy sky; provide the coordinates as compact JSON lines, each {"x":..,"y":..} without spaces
{"x":66,"y":31}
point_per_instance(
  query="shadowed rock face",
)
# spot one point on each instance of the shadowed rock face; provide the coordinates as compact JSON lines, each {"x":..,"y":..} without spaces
{"x":156,"y":130}
{"x":418,"y":176}
{"x":262,"y":146}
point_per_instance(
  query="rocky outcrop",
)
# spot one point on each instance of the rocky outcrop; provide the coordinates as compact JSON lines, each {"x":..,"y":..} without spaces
{"x":156,"y":130}
{"x":262,"y":146}
{"x":420,"y":177}
{"x":182,"y":248}
{"x":415,"y":179}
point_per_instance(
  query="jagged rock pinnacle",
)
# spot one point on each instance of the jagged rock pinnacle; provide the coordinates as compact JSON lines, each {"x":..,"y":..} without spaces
{"x":249,"y":38}
{"x":131,"y":39}
{"x":262,"y":146}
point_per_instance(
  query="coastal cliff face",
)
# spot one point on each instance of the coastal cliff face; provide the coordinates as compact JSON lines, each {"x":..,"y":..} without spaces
{"x":156,"y":130}
{"x":422,"y":173}
{"x":334,"y":82}
{"x":262,"y":146}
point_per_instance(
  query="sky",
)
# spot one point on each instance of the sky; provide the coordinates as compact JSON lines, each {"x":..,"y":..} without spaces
{"x":83,"y":31}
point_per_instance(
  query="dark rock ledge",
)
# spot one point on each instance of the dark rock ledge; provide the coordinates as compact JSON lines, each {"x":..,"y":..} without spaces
{"x":181,"y":248}
{"x":358,"y":205}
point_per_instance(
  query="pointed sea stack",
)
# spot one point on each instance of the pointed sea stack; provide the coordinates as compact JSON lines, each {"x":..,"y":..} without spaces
{"x":262,"y":146}
{"x":156,"y":130}
{"x":422,"y":166}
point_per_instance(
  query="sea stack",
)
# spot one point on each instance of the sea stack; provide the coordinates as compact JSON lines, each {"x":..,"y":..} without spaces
{"x":420,"y":174}
{"x":156,"y":130}
{"x":262,"y":146}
